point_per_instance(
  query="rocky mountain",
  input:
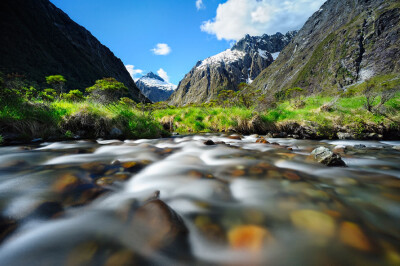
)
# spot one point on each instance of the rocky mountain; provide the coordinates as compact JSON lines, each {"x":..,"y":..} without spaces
{"x":155,"y":88}
{"x":37,"y":40}
{"x":242,"y":63}
{"x":345,"y":42}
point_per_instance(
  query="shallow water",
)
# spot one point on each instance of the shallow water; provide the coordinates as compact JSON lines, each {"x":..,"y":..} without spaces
{"x":237,"y":203}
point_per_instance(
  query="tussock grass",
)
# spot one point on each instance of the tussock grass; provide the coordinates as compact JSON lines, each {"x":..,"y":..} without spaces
{"x":341,"y":112}
{"x":63,"y":119}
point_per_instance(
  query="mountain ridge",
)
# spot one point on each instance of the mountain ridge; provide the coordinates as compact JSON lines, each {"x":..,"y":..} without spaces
{"x":154,"y":87}
{"x":52,"y":43}
{"x":226,"y":70}
{"x":343,"y":43}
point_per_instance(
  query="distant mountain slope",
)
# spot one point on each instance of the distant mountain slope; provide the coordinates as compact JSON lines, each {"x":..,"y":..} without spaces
{"x":345,"y":42}
{"x":155,"y":88}
{"x":37,"y":39}
{"x":242,"y":63}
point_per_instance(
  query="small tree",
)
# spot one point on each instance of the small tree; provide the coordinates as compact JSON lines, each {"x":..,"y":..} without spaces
{"x":107,"y":90}
{"x":246,"y":95}
{"x":370,"y":95}
{"x":58,"y":82}
{"x":295,"y":95}
{"x":225,"y":98}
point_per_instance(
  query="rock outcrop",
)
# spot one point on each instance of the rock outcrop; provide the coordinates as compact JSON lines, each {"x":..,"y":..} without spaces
{"x":242,"y":63}
{"x":37,"y":40}
{"x":155,"y":88}
{"x":345,"y":42}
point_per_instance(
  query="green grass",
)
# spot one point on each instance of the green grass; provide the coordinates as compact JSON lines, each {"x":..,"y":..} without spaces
{"x":348,"y":112}
{"x":201,"y":119}
{"x":63,"y":119}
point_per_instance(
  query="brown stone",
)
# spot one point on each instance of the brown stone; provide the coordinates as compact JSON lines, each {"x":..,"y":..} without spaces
{"x":352,"y":235}
{"x":248,"y":237}
{"x":157,"y":226}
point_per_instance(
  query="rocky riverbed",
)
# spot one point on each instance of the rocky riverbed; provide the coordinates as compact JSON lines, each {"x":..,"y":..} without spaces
{"x":202,"y":199}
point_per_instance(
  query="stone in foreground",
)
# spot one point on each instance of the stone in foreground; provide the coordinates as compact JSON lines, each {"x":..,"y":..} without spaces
{"x":326,"y":156}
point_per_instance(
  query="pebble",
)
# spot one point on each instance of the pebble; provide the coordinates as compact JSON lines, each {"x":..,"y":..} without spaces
{"x":249,"y":237}
{"x":352,"y":235}
{"x":314,"y":222}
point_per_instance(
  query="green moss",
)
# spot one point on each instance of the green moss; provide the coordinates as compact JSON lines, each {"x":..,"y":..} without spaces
{"x":318,"y":58}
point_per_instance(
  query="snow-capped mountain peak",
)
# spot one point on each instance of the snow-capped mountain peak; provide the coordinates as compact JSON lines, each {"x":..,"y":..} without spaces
{"x":154,"y":87}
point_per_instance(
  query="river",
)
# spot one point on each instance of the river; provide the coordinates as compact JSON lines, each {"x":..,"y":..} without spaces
{"x":177,"y":201}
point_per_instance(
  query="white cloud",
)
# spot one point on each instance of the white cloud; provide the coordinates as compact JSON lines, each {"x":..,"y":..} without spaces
{"x":236,"y":18}
{"x":134,"y":72}
{"x":163,"y":74}
{"x":161,"y":49}
{"x":200,"y":4}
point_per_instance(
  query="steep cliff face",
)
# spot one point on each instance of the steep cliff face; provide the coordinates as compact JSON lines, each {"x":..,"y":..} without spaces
{"x":37,"y":39}
{"x":242,"y":63}
{"x":345,"y":42}
{"x":155,"y":88}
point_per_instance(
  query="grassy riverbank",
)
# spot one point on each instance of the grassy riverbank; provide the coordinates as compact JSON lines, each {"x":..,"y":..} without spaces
{"x":325,"y":115}
{"x":61,"y":119}
{"x":369,"y":110}
{"x":320,"y":117}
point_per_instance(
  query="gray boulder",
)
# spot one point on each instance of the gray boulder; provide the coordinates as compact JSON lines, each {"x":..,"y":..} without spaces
{"x":326,"y":156}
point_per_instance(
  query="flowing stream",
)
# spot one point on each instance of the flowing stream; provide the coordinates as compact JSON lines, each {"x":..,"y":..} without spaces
{"x":177,"y":201}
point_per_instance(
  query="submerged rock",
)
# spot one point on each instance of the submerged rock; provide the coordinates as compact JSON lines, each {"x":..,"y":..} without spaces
{"x":326,"y":156}
{"x":160,"y":228}
{"x":209,"y":142}
{"x":359,"y":146}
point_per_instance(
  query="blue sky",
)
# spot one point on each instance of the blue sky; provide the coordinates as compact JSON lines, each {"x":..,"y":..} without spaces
{"x":170,"y":36}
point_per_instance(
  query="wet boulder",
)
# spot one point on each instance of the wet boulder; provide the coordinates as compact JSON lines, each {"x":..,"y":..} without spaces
{"x":209,"y":142}
{"x":326,"y":156}
{"x":47,"y":210}
{"x":7,"y":226}
{"x":160,"y":228}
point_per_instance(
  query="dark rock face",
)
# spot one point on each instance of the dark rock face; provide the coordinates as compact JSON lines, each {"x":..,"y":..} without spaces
{"x":242,"y":63}
{"x":37,"y":40}
{"x":343,"y":43}
{"x":155,"y":88}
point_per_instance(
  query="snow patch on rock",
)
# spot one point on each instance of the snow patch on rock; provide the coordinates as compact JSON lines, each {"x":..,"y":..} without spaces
{"x":275,"y":55}
{"x":162,"y":85}
{"x":227,"y":57}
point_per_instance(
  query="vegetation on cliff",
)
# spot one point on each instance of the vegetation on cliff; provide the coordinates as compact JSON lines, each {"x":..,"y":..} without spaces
{"x":27,"y":113}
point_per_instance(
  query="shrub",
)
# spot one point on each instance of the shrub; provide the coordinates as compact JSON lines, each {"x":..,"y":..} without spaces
{"x":1,"y":139}
{"x":370,"y":95}
{"x":73,"y":96}
{"x":12,"y":88}
{"x":57,"y":81}
{"x":295,"y":95}
{"x":47,"y":95}
{"x":127,"y":101}
{"x":31,"y":93}
{"x":107,"y":90}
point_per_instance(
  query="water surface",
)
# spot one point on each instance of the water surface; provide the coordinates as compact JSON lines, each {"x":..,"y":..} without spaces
{"x":235,"y":203}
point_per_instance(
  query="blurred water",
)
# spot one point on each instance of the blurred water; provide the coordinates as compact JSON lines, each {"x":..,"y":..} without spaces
{"x":87,"y":203}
